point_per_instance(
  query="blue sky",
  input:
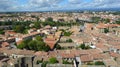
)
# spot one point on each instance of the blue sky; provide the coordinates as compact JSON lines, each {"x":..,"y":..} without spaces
{"x":43,"y":5}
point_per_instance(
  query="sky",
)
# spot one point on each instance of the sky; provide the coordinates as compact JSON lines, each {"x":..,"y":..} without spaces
{"x":46,"y":5}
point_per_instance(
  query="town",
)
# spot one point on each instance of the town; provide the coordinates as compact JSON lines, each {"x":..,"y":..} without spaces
{"x":60,"y":39}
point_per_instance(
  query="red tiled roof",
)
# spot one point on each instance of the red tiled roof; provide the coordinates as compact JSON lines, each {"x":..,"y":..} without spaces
{"x":86,"y":58}
{"x":40,"y":53}
{"x":114,"y":54}
{"x":11,"y":32}
{"x":51,"y":44}
{"x":117,"y":47}
{"x":5,"y":44}
{"x":48,"y":27}
{"x":101,"y":56}
{"x":101,"y":25}
{"x":67,"y":55}
{"x":50,"y":39}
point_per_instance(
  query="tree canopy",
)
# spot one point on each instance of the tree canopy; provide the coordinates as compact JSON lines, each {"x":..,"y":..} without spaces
{"x":69,"y":40}
{"x":83,"y":46}
{"x":53,"y":60}
{"x":2,"y":31}
{"x":34,"y":45}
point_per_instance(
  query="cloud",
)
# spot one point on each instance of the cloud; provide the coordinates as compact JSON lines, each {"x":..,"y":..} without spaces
{"x":75,"y":1}
{"x":44,"y":3}
{"x":106,"y":3}
{"x":36,"y":5}
{"x":41,"y":5}
{"x":6,"y":5}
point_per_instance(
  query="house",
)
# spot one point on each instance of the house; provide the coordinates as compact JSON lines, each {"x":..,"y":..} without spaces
{"x":18,"y":62}
{"x":5,"y":44}
{"x":101,"y":27}
{"x":48,"y":27}
{"x":88,"y":26}
{"x":86,"y":58}
{"x":100,"y":56}
{"x":67,"y":45}
{"x":17,"y":57}
{"x":114,"y":55}
{"x":50,"y":42}
{"x":67,"y":55}
{"x":16,"y":53}
{"x":110,"y":63}
{"x":10,"y":33}
{"x":31,"y":30}
{"x":103,"y":47}
{"x":59,"y":65}
{"x":64,"y":38}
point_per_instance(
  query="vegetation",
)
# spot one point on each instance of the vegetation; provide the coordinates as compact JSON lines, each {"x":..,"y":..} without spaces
{"x":106,"y":20}
{"x":20,"y":29}
{"x":106,"y":30}
{"x":24,"y":26}
{"x":21,"y":45}
{"x":118,"y":21}
{"x":50,"y":19}
{"x":90,"y":63}
{"x":66,"y":62}
{"x":37,"y":25}
{"x":95,"y":19}
{"x":44,"y":64}
{"x":34,"y":45}
{"x":96,"y":63}
{"x":67,"y":33}
{"x":116,"y":13}
{"x":53,"y":60}
{"x":39,"y":38}
{"x":2,"y":31}
{"x":69,"y":40}
{"x":99,"y":63}
{"x":39,"y":61}
{"x":83,"y":46}
{"x":58,"y":46}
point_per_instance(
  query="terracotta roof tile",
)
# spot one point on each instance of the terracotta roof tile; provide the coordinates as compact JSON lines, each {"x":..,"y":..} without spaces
{"x":86,"y":58}
{"x":5,"y":44}
{"x":114,"y":54}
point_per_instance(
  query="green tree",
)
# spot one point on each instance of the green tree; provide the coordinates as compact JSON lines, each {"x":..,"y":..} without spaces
{"x":99,"y":63}
{"x":53,"y":60}
{"x":67,"y":33}
{"x":39,"y":61}
{"x":95,"y":19}
{"x":69,"y":40}
{"x":20,"y":29}
{"x":58,"y":46}
{"x":118,"y":21}
{"x":46,"y":48}
{"x":82,"y":46}
{"x":21,"y":46}
{"x":39,"y":38}
{"x":2,"y":31}
{"x":107,"y":20}
{"x":106,"y":30}
{"x":37,"y":25}
{"x":44,"y":64}
{"x":34,"y":45}
{"x":66,"y":62}
{"x":87,"y":47}
{"x":50,"y":19}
